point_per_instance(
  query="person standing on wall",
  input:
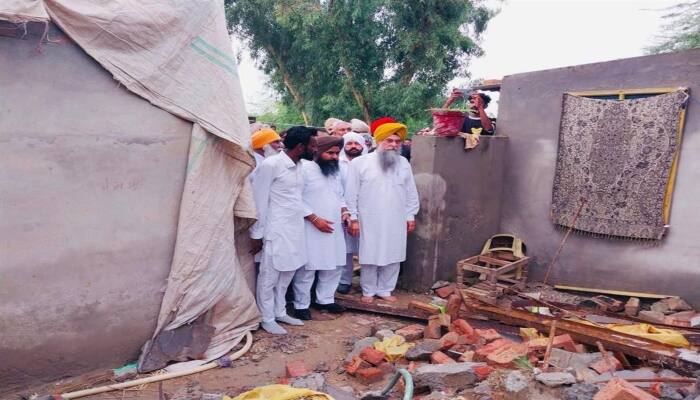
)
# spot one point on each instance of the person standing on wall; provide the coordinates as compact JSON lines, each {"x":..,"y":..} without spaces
{"x":279,"y":230}
{"x":477,"y":120}
{"x":382,"y":199}
{"x":325,"y":242}
{"x":353,"y":147}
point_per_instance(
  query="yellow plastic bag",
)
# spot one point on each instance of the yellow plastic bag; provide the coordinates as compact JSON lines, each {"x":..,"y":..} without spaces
{"x":529,"y":334}
{"x":393,"y":346}
{"x":647,"y":331}
{"x":280,"y":392}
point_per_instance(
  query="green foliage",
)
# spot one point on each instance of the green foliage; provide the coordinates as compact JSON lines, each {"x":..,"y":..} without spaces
{"x":523,"y":363}
{"x":682,"y":31}
{"x":361,"y":58}
{"x":282,"y":115}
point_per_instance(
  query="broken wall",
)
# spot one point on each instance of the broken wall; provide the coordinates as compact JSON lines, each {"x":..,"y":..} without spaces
{"x":530,"y":109}
{"x":460,"y":193}
{"x":90,"y":190}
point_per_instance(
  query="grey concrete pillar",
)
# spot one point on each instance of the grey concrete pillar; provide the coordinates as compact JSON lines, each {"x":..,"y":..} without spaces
{"x":460,"y":199}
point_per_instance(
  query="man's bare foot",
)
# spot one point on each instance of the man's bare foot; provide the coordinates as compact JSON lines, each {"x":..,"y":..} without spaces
{"x":367,"y":299}
{"x":390,"y":299}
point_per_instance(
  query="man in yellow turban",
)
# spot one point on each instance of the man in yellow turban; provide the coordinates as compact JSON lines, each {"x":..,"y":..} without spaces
{"x":382,"y":199}
{"x":265,"y":142}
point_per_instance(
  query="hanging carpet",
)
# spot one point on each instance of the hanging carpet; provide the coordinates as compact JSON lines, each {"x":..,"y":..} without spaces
{"x":615,"y":161}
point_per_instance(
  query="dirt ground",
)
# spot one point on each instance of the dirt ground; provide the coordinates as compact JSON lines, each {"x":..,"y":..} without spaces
{"x":322,"y":344}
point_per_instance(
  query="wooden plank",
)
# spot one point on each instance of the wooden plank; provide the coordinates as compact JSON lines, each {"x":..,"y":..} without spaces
{"x":389,"y":309}
{"x":613,"y":292}
{"x":493,"y":261}
{"x":615,"y":341}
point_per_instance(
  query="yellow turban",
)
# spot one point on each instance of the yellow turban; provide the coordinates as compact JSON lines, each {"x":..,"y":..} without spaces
{"x":383,"y":131}
{"x":263,"y":137}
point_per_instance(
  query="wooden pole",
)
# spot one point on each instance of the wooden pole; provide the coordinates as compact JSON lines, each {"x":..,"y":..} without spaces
{"x":548,"y":350}
{"x":561,"y":245}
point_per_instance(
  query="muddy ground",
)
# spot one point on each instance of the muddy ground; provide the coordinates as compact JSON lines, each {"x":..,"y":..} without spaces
{"x":322,"y":343}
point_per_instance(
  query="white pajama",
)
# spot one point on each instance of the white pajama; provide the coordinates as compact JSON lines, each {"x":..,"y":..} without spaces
{"x":326,"y":285}
{"x":347,"y":270}
{"x":271,"y":290}
{"x":379,"y":280}
{"x":277,"y":187}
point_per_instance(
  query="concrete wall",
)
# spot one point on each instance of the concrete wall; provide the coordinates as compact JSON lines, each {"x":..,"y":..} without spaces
{"x":530,"y":108}
{"x":460,"y":193}
{"x":90,"y":188}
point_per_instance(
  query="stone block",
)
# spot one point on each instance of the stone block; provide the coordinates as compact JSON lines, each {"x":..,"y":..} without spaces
{"x":606,"y":364}
{"x":620,"y":389}
{"x":682,"y":318}
{"x":505,"y":355}
{"x":462,"y":327}
{"x":453,"y":376}
{"x":515,"y":382}
{"x":423,"y":350}
{"x":446,"y":291}
{"x":355,"y":364}
{"x":450,"y":339}
{"x":482,"y":372}
{"x":411,"y":332}
{"x":653,"y":316}
{"x":313,"y":381}
{"x":467,"y":356}
{"x":433,"y":330}
{"x":439,"y":357}
{"x":555,"y":379}
{"x":632,"y":307}
{"x":372,"y":355}
{"x":488,"y":335}
{"x":384,"y":333}
{"x":369,"y":375}
{"x":359,"y":345}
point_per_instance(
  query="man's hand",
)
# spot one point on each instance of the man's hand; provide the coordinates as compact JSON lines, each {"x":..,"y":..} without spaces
{"x":354,"y":228}
{"x":477,"y":101}
{"x":454,"y":96}
{"x":323,"y":225}
{"x":256,"y":246}
{"x":345,"y":216}
{"x":410,"y":226}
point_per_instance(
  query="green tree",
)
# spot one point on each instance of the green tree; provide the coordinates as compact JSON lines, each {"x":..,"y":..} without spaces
{"x":682,"y":30}
{"x":360,"y":58}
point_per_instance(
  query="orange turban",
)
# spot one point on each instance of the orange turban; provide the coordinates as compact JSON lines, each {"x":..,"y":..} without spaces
{"x":263,"y":137}
{"x":385,"y":127}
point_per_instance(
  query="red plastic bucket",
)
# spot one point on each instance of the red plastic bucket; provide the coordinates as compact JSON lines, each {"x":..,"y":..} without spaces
{"x":448,"y":122}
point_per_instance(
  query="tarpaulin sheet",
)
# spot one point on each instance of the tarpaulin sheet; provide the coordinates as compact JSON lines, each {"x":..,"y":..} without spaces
{"x":177,"y":55}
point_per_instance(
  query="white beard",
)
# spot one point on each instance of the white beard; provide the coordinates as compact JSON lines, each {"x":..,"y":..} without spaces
{"x":388,"y":159}
{"x":269,"y":151}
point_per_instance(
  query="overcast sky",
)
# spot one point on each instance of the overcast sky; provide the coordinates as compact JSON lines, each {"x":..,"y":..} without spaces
{"x":530,"y":35}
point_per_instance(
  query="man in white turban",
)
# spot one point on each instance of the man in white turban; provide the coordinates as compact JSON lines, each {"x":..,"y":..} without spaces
{"x":353,"y":147}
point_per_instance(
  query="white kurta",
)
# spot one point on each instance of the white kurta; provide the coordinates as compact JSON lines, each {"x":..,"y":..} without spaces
{"x":280,"y":211}
{"x":383,"y":201}
{"x":323,"y":196}
{"x":352,"y":244}
{"x":258,"y":160}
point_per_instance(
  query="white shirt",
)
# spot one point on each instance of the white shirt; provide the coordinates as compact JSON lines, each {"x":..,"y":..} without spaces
{"x":382,"y":201}
{"x":323,"y":196}
{"x":258,"y":160}
{"x":280,"y":212}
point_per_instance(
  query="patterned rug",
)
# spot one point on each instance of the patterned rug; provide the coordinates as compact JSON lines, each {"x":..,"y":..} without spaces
{"x":614,"y":164}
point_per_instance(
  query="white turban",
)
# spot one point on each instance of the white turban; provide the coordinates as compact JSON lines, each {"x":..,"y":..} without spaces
{"x":355,"y":137}
{"x":359,"y":126}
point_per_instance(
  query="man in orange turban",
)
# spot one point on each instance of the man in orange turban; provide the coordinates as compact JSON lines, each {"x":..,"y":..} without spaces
{"x":382,"y":199}
{"x":265,"y":142}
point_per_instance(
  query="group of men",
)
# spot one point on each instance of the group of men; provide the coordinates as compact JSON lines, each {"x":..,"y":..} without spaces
{"x":321,"y":198}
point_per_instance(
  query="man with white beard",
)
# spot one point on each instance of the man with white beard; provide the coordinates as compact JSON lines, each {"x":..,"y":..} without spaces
{"x":382,"y":199}
{"x":325,"y":243}
{"x":353,"y":147}
{"x":279,"y":229}
{"x":265,"y":143}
